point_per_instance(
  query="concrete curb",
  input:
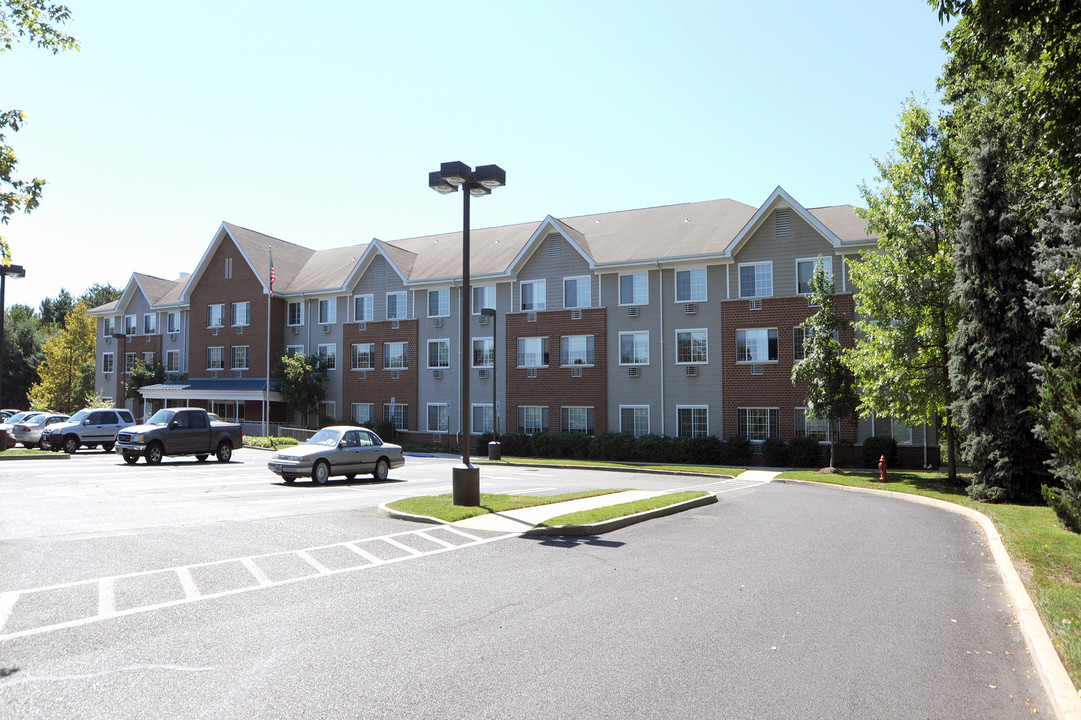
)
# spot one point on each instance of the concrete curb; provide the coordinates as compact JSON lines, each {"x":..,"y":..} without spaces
{"x":622,"y":522}
{"x":683,"y":473}
{"x":50,"y":456}
{"x":1064,"y":697}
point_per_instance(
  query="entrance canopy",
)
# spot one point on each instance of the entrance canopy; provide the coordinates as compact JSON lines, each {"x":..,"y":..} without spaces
{"x":212,"y":389}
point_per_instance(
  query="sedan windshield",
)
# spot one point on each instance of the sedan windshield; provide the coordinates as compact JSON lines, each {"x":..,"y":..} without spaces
{"x":326,"y":437}
{"x":161,"y":417}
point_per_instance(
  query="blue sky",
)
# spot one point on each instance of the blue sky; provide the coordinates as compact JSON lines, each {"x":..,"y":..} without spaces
{"x":320,"y":127}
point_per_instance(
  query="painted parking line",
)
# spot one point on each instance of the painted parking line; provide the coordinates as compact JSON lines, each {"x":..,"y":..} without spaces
{"x":20,"y":614}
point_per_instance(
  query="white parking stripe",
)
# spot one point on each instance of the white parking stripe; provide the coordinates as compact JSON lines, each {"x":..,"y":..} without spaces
{"x":363,"y":553}
{"x":320,"y":567}
{"x":7,"y":603}
{"x":256,"y":571}
{"x":401,"y":546}
{"x":106,"y":597}
{"x":187,"y":582}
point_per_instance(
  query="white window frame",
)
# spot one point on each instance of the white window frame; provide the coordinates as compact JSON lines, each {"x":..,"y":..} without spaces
{"x":487,"y":348}
{"x":818,"y":428}
{"x":528,"y":424}
{"x":400,"y":417}
{"x":403,"y":352}
{"x":583,"y":291}
{"x":172,"y":322}
{"x":150,"y":324}
{"x":291,"y":350}
{"x":328,"y":355}
{"x":571,"y":416}
{"x":108,"y":363}
{"x":240,"y":313}
{"x":742,"y":344}
{"x":906,"y":436}
{"x":131,"y":324}
{"x":367,"y":302}
{"x":827,"y":262}
{"x":487,"y":417}
{"x":328,"y":409}
{"x":441,"y":298}
{"x":355,"y":352}
{"x":639,"y":289}
{"x":401,"y":305}
{"x":235,"y":353}
{"x":538,"y":289}
{"x":219,"y":354}
{"x":172,"y":361}
{"x":585,"y":353}
{"x":636,"y":430}
{"x":358,"y":417}
{"x":218,"y":310}
{"x":129,"y":361}
{"x":637,"y":359}
{"x":540,"y":351}
{"x":108,"y":326}
{"x":484,"y":296}
{"x":442,"y":353}
{"x":759,"y":292}
{"x":442,"y":418}
{"x":697,"y":285}
{"x":772,"y":419}
{"x":705,"y":344}
{"x":699,"y":425}
{"x":299,"y":305}
{"x":327,"y":311}
{"x":148,"y":358}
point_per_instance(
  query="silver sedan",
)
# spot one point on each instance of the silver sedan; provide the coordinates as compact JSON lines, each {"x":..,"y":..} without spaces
{"x":338,"y":450}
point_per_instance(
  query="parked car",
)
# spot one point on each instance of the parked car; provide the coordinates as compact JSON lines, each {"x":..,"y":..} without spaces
{"x":6,"y":413}
{"x":179,"y":431}
{"x":5,"y":427}
{"x":28,"y":432}
{"x":338,"y":450}
{"x":89,"y":427}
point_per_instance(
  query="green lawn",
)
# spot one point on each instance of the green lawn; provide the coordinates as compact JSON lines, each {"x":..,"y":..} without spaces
{"x":596,"y":515}
{"x":1046,"y":555}
{"x":443,"y":507}
{"x":704,"y":469}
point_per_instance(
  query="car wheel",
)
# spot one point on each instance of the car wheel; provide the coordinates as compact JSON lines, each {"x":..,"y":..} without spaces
{"x":201,"y":458}
{"x":153,"y":453}
{"x":71,"y":444}
{"x":225,"y":451}
{"x":131,"y":459}
{"x":382,"y":470}
{"x":321,"y":472}
{"x":107,"y":447}
{"x":42,"y":445}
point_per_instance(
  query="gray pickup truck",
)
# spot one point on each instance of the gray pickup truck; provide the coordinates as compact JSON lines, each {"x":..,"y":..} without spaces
{"x":179,"y":431}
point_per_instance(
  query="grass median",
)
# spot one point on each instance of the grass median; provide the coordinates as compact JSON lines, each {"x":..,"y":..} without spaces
{"x":611,"y":512}
{"x":442,"y":507}
{"x":1046,"y":555}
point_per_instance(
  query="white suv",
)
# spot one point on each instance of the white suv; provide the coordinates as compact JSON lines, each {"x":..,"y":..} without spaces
{"x":90,"y":427}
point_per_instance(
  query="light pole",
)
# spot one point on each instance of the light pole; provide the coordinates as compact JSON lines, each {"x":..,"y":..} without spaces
{"x":481,"y":182}
{"x":495,"y":452}
{"x":15,"y":271}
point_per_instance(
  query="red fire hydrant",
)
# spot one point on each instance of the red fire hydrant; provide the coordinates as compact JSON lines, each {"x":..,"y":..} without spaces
{"x":882,"y":468}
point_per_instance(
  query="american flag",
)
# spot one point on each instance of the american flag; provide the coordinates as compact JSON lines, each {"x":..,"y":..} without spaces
{"x":272,"y":275}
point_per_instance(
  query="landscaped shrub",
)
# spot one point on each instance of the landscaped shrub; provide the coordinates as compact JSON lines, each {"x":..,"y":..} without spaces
{"x":1068,"y":512}
{"x":776,"y":452}
{"x":875,"y":447}
{"x":612,"y":446}
{"x":661,"y":449}
{"x":385,"y":430}
{"x":737,"y":451}
{"x":804,"y":451}
{"x":517,"y":444}
{"x":705,"y":450}
{"x":573,"y":445}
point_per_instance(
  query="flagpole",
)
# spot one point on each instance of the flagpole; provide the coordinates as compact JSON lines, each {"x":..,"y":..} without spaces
{"x":266,"y":388}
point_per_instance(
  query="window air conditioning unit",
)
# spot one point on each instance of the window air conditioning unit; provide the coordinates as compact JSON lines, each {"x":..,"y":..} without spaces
{"x":215,"y":332}
{"x":756,"y":369}
{"x":394,"y":375}
{"x":531,"y":317}
{"x":438,"y":322}
{"x":576,"y":372}
{"x":394,"y":325}
{"x":294,"y":330}
{"x":632,"y":311}
{"x":172,"y":336}
{"x":362,"y":326}
{"x":362,"y":374}
{"x":240,"y":331}
{"x":756,"y":304}
{"x":437,"y":374}
{"x":482,"y":374}
{"x":576,"y":314}
{"x":633,"y":372}
{"x":483,"y":320}
{"x":692,"y":371}
{"x":108,"y":340}
{"x":326,"y":329}
{"x":690,"y":309}
{"x":531,"y":373}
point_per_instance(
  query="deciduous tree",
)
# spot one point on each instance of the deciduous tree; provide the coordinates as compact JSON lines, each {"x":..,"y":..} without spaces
{"x":905,"y":314}
{"x":67,"y":371}
{"x":302,"y":382}
{"x":831,"y":390}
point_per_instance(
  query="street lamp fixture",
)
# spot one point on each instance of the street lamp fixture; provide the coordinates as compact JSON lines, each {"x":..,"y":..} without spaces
{"x":6,"y":271}
{"x":479,"y":182}
{"x":495,"y":452}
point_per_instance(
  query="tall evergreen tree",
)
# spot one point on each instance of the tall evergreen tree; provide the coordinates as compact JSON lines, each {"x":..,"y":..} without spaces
{"x":22,"y":355}
{"x":996,"y":339}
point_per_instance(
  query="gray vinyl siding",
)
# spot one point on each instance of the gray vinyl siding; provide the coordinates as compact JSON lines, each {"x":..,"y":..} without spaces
{"x":764,"y":245}
{"x":644,"y":390}
{"x":448,"y":389}
{"x":541,"y":265}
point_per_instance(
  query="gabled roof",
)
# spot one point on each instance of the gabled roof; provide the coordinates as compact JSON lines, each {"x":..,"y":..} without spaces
{"x":845,"y":224}
{"x":159,"y":293}
{"x":256,"y":248}
{"x":438,"y":258}
{"x":324,"y":270}
{"x":823,"y":220}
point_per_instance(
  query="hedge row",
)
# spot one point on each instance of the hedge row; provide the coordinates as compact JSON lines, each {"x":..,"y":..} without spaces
{"x":709,"y":450}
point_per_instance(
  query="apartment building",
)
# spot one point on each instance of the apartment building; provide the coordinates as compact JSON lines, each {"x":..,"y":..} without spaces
{"x":679,"y":320}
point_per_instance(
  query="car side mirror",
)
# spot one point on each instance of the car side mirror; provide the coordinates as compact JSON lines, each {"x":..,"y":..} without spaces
{"x":173,"y":425}
{"x":86,"y":422}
